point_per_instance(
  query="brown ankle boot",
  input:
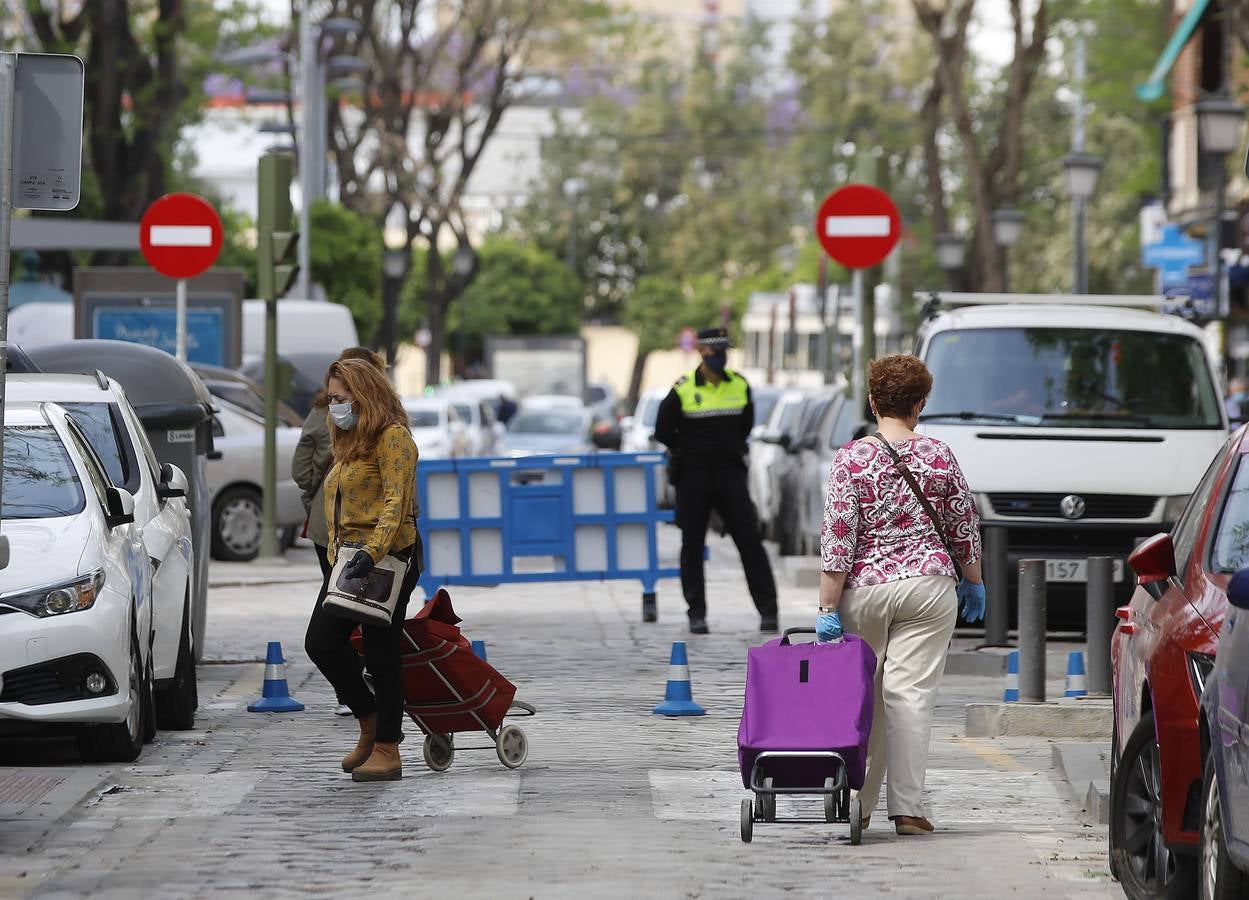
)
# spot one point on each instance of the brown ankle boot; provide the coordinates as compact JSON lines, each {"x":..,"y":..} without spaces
{"x":383,"y":765}
{"x":368,"y":734}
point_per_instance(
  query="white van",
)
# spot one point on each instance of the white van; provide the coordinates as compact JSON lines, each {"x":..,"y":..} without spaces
{"x":304,"y":326}
{"x":1082,"y":428}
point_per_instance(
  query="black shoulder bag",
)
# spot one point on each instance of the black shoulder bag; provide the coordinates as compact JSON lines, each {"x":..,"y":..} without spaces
{"x":923,"y":501}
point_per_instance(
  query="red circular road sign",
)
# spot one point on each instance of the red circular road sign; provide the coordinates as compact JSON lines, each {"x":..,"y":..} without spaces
{"x":858,"y":225}
{"x":180,"y":235}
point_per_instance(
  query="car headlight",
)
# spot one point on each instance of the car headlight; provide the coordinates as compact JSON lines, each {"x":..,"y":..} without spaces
{"x":1200,"y":665}
{"x":56,"y":600}
{"x":1174,"y":507}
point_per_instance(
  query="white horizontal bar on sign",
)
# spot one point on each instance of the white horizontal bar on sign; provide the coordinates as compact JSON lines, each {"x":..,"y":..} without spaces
{"x":180,"y":236}
{"x":857,"y":226}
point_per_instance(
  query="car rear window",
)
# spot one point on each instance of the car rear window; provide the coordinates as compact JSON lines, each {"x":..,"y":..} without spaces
{"x":39,"y":478}
{"x":104,"y":433}
{"x":423,"y":418}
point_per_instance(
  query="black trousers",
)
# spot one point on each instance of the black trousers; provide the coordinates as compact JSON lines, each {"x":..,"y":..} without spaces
{"x":722,"y":487}
{"x":328,"y":644}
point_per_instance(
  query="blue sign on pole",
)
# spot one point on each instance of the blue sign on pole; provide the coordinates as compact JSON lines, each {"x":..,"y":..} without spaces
{"x":1173,"y":255}
{"x":157,"y":327}
{"x":1194,"y":297}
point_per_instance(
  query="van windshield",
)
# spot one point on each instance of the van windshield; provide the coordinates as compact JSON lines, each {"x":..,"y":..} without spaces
{"x":1071,"y":377}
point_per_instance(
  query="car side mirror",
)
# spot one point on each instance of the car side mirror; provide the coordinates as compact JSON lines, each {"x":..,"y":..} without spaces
{"x":1154,"y":564}
{"x":1238,"y":590}
{"x":118,"y":508}
{"x":173,"y":482}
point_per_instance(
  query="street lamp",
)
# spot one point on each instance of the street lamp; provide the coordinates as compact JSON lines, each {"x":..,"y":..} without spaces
{"x":396,"y":261}
{"x":1081,"y":170}
{"x":1219,"y":122}
{"x":951,"y":254}
{"x":1007,"y":230}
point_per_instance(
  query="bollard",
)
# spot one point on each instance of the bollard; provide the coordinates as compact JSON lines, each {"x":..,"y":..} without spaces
{"x":1100,"y":623}
{"x":1032,"y":631}
{"x":996,"y":581}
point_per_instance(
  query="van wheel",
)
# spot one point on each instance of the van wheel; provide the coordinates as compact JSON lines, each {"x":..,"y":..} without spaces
{"x":176,"y":704}
{"x":122,"y":742}
{"x":236,"y":523}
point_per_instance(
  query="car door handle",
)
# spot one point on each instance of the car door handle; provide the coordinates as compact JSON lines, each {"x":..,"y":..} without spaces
{"x":1124,"y":615}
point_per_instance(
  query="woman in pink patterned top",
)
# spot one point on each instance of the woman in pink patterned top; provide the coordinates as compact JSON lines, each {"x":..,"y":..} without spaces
{"x":887,"y":573}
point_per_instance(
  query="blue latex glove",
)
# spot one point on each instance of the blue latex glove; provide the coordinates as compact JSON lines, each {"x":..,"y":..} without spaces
{"x":972,"y":598}
{"x":361,"y":565}
{"x":828,"y":627}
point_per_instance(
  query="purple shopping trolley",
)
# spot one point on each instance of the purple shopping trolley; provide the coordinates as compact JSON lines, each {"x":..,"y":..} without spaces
{"x":805,"y":726}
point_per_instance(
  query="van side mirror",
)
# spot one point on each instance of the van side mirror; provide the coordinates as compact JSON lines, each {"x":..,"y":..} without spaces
{"x":1154,"y":564}
{"x":118,"y":508}
{"x":173,"y":482}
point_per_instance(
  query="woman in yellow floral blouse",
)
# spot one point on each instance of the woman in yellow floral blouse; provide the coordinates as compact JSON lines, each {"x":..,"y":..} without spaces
{"x":372,"y":484}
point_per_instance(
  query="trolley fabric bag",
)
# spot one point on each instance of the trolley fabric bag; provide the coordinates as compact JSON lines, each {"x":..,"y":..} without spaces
{"x":807,"y":697}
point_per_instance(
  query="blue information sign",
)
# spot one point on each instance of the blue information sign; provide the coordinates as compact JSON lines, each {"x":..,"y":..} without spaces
{"x":157,"y":326}
{"x":1173,"y":255}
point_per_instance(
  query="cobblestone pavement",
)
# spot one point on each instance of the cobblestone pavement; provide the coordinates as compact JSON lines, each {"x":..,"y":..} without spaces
{"x":613,"y":802}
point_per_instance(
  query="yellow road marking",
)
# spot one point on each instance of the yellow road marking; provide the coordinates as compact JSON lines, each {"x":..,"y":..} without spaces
{"x":993,"y":756}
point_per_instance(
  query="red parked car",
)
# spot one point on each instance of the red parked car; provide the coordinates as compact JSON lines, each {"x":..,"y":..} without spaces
{"x":1162,"y":653}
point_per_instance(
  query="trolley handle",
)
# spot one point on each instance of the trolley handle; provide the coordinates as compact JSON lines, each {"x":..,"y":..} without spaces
{"x":789,"y":631}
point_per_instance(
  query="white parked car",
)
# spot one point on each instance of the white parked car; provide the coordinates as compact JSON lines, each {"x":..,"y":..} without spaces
{"x":76,"y":610}
{"x":552,"y":401}
{"x":482,"y":428}
{"x":768,"y":450}
{"x":541,"y":430}
{"x":436,"y":427}
{"x":100,"y":408}
{"x":639,"y":429}
{"x":235,"y":475}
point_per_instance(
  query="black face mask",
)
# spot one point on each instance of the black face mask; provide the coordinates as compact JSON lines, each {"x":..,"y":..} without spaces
{"x":717,"y":361}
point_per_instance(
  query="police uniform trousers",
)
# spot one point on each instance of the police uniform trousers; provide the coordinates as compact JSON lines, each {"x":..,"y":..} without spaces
{"x":720,"y":485}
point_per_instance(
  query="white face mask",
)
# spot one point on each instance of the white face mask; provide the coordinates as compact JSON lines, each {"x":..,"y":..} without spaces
{"x":342,"y":415}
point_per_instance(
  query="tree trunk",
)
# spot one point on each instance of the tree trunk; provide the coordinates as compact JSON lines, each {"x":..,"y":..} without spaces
{"x":437,"y":337}
{"x":635,"y":380}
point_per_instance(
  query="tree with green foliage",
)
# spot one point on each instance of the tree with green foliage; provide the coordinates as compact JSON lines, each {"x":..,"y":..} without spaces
{"x":346,"y":252}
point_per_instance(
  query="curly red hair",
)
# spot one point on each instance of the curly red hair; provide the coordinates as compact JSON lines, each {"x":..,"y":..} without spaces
{"x":898,"y":384}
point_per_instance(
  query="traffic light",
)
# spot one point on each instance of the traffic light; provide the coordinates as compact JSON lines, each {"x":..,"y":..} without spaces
{"x":276,"y":238}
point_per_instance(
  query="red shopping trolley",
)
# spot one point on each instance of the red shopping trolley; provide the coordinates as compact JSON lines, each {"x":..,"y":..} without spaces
{"x":449,"y":690}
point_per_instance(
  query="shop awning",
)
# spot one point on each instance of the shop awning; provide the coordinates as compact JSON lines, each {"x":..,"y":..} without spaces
{"x":1154,"y":86}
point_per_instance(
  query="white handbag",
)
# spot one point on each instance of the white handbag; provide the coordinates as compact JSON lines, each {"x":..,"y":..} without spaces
{"x":370,"y":600}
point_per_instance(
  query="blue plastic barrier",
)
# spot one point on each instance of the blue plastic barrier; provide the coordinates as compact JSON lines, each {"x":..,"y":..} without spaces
{"x":595,"y":516}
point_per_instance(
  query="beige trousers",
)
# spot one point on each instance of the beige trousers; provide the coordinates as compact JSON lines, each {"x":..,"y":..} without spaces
{"x":908,"y":623}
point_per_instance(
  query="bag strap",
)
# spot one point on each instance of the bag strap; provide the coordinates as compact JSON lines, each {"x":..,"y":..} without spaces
{"x":922,"y":498}
{"x":338,"y":529}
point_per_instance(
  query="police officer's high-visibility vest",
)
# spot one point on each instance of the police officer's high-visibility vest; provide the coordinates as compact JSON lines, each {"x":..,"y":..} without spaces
{"x":707,"y":400}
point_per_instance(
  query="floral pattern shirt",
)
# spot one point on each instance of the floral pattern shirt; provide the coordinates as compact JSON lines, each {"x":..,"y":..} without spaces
{"x":875,"y":528}
{"x":377,"y":492}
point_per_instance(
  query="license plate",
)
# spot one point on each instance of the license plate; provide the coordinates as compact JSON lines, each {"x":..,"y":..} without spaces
{"x":1075,"y":570}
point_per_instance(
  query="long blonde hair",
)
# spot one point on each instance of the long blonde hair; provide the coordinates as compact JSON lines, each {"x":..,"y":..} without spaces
{"x":375,"y":404}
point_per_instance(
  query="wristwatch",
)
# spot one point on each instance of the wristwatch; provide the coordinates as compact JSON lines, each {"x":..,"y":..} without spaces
{"x":825,"y":609}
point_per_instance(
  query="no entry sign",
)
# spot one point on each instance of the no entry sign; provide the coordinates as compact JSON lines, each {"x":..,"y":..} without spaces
{"x":180,"y":235}
{"x":858,"y":225}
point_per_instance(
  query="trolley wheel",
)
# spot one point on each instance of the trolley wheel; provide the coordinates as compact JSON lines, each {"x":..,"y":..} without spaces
{"x":439,"y":750}
{"x":856,"y":821}
{"x":748,"y":821}
{"x":512,"y":746}
{"x":830,"y":800}
{"x":767,"y":803}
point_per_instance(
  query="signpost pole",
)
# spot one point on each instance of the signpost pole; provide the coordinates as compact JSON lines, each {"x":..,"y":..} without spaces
{"x":858,"y":391}
{"x":180,"y":336}
{"x":8,"y":74}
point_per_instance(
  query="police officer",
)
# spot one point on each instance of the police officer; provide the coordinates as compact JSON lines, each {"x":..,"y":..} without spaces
{"x":705,"y":421}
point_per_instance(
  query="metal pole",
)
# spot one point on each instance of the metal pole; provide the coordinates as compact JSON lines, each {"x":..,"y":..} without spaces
{"x":268,"y":497}
{"x":820,"y":363}
{"x":318,"y":161}
{"x":1080,"y":280}
{"x":858,"y":389}
{"x":997,"y":584}
{"x":1032,"y":631}
{"x":8,"y":76}
{"x":1100,"y":612}
{"x":307,"y":144}
{"x":180,"y":325}
{"x":1005,"y":270}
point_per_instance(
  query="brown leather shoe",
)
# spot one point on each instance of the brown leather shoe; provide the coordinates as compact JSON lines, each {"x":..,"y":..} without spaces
{"x":912,"y":825}
{"x":364,"y":747}
{"x":383,"y":765}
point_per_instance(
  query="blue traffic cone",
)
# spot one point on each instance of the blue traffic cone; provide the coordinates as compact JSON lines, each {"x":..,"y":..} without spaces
{"x":678,"y":697}
{"x":276,"y":696}
{"x":479,"y":650}
{"x":1075,"y":675}
{"x":1011,"y":694}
